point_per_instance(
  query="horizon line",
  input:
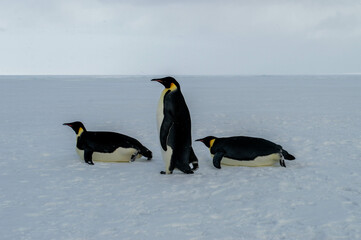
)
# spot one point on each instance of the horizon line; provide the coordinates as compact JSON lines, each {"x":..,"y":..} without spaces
{"x":191,"y":75}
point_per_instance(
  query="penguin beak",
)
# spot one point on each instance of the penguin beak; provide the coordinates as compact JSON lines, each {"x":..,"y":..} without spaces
{"x":157,"y":80}
{"x":200,"y":140}
{"x":67,"y":124}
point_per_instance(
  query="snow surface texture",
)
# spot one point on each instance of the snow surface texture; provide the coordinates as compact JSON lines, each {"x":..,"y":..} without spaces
{"x":47,"y":193}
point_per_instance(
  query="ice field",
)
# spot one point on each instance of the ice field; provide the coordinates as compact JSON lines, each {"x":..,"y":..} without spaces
{"x":47,"y":193}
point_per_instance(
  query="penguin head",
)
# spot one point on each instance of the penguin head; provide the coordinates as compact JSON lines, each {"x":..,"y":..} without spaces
{"x":168,"y":82}
{"x":208,"y":141}
{"x":78,"y":127}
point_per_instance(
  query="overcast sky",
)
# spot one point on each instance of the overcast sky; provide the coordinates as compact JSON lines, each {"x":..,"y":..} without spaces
{"x":180,"y":37}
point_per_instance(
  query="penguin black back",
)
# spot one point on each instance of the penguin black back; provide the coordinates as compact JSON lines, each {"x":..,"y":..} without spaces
{"x":245,"y":148}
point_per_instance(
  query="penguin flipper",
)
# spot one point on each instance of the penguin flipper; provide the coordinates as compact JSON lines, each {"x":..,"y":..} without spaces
{"x":88,"y":156}
{"x":217,"y":159}
{"x":164,"y":131}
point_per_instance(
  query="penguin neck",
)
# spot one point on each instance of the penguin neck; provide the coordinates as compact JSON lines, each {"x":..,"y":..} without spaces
{"x":172,"y":87}
{"x":211,"y":143}
{"x":80,"y":132}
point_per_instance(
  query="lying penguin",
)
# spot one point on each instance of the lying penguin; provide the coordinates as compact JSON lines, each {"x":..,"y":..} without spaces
{"x":107,"y":146}
{"x":245,"y":151}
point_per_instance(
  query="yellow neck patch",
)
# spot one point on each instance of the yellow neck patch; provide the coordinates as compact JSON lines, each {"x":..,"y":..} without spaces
{"x":173,"y":87}
{"x":80,"y":131}
{"x":211,"y":142}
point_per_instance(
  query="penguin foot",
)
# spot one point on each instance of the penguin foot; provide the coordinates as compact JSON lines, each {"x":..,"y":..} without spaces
{"x":282,"y":161}
{"x":134,"y":156}
{"x":90,"y":163}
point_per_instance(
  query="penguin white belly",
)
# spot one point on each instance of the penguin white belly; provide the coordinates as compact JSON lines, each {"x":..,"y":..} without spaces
{"x":261,"y":161}
{"x":119,"y":155}
{"x":160,"y":110}
{"x":167,"y":155}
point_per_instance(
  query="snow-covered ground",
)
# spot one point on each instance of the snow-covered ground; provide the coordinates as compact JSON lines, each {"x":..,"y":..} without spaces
{"x":47,"y":193}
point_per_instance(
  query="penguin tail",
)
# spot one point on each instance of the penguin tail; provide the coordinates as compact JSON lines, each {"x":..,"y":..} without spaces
{"x":185,"y":168}
{"x":146,"y":152}
{"x":193,"y":160}
{"x":195,"y":165}
{"x":287,"y":156}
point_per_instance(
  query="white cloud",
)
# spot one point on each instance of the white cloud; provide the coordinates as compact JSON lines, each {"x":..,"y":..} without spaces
{"x":234,"y":18}
{"x":195,"y":37}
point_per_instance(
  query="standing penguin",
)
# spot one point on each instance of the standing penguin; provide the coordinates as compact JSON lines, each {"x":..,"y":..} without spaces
{"x":106,"y":146}
{"x":245,"y":151}
{"x":174,"y":126}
